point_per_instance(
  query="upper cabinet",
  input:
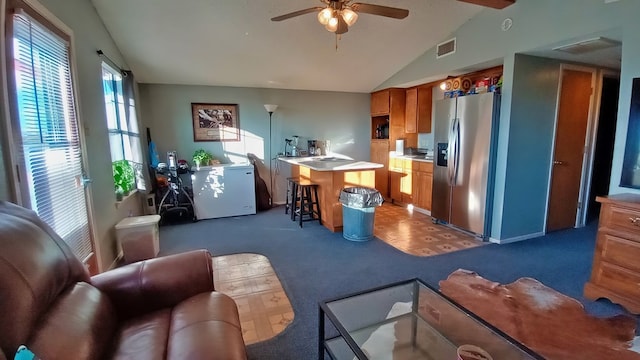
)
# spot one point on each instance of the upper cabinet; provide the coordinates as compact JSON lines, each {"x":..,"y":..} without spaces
{"x":380,"y":101}
{"x":418,"y":109}
{"x":390,"y":104}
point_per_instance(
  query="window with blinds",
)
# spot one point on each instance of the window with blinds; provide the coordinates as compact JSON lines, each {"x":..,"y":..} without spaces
{"x":122,"y":123}
{"x":50,"y":140}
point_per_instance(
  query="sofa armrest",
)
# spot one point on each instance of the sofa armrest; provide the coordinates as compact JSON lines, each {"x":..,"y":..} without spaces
{"x":158,"y":283}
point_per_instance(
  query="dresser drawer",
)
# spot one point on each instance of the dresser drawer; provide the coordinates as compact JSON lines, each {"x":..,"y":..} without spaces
{"x":622,"y":218}
{"x":619,"y":251}
{"x":618,"y":279}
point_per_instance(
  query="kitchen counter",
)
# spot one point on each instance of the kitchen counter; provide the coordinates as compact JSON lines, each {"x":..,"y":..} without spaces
{"x":411,"y":157}
{"x":330,"y":163}
{"x":332,"y":174}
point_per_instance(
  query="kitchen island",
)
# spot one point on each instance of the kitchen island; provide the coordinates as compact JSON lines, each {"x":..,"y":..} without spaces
{"x":332,"y":174}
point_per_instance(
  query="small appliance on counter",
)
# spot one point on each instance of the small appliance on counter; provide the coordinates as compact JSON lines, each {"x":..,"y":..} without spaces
{"x":400,"y":147}
{"x":291,"y":146}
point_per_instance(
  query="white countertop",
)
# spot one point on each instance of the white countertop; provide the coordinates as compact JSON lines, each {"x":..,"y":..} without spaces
{"x":409,"y":157}
{"x":330,"y":163}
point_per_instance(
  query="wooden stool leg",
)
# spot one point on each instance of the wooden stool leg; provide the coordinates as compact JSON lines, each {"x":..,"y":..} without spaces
{"x":315,"y":192}
{"x":287,"y":198}
{"x":304,"y":203}
{"x":294,"y":201}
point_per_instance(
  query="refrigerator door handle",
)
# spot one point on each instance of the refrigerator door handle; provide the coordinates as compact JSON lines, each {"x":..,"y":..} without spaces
{"x":452,"y":152}
{"x":456,"y":161}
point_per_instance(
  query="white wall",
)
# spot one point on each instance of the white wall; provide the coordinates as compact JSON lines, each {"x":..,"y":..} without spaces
{"x":342,"y":118}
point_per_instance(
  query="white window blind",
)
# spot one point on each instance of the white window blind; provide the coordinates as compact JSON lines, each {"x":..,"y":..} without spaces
{"x":49,"y":129}
{"x":122,"y":123}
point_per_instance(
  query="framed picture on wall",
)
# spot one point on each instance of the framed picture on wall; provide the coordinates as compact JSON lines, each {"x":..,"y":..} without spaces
{"x":215,"y":122}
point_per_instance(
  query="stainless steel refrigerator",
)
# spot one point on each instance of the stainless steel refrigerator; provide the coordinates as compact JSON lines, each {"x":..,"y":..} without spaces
{"x":465,"y":136}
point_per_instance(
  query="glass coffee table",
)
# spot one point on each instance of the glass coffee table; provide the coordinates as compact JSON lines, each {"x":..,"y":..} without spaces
{"x":407,"y":320}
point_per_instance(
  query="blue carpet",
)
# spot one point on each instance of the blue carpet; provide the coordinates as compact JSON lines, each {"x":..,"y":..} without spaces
{"x":314,"y":264}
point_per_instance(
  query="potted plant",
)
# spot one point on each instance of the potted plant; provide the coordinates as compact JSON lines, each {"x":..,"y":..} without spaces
{"x":123,"y":178}
{"x":202,"y":157}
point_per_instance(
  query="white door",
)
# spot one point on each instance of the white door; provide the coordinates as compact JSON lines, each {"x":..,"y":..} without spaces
{"x":46,"y":130}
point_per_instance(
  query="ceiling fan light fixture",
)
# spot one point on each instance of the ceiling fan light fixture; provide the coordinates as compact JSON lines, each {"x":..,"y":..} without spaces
{"x":349,"y":16}
{"x":325,"y":15}
{"x":332,"y":25}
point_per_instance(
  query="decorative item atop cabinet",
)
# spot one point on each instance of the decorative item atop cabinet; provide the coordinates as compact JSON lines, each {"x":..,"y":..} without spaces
{"x":615,"y":274}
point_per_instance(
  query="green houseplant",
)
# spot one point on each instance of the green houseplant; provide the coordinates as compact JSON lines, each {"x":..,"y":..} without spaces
{"x":202,"y":157}
{"x":123,"y":177}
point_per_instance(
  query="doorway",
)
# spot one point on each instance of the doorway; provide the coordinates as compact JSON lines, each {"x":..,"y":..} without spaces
{"x":604,"y":143}
{"x":574,"y":110}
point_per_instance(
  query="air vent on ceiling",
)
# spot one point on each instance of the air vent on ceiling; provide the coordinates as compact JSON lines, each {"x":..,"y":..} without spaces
{"x":588,"y":45}
{"x":446,"y":48}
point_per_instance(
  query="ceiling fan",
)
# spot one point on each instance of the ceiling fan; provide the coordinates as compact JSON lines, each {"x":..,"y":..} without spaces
{"x":338,"y":15}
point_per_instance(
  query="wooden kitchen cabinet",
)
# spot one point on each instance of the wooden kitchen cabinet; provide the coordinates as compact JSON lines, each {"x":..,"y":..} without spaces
{"x":411,"y":182}
{"x":391,"y":102}
{"x":380,"y":155}
{"x":411,"y":111}
{"x":418,"y":109}
{"x":615,"y":274}
{"x":395,"y":178}
{"x":406,"y":183}
{"x":380,"y":102}
{"x":422,"y":184}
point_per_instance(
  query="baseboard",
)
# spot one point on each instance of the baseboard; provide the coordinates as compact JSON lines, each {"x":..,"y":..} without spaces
{"x":279,"y":202}
{"x":517,"y":238}
{"x":422,"y":211}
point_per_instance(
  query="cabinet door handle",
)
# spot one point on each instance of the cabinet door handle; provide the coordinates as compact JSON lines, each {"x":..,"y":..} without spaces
{"x":635,"y":221}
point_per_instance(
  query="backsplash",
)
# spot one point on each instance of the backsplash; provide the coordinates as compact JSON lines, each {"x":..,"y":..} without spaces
{"x":425,"y":141}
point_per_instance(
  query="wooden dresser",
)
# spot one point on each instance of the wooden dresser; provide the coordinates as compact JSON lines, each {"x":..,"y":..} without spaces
{"x":616,"y":261}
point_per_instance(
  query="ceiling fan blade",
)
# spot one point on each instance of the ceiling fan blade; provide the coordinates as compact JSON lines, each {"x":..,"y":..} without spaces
{"x":387,"y":11}
{"x":296,"y":13}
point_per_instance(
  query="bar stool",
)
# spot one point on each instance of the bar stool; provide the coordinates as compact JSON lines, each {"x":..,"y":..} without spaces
{"x":289,"y":198}
{"x":305,"y":202}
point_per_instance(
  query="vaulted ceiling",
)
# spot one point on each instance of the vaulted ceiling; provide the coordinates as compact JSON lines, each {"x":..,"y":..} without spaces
{"x":234,"y":42}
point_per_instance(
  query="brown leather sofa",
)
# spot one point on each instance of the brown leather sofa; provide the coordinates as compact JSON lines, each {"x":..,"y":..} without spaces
{"x":164,"y":308}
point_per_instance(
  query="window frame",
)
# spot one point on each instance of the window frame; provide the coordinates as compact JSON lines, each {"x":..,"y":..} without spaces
{"x":128,"y":106}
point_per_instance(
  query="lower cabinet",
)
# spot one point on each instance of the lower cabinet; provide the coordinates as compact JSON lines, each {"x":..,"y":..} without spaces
{"x":395,"y":179}
{"x":422,"y":185}
{"x":411,"y":182}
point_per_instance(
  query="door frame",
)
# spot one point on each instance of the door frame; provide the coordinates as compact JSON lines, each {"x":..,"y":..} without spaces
{"x":581,"y":213}
{"x":592,"y":134}
{"x":15,"y":187}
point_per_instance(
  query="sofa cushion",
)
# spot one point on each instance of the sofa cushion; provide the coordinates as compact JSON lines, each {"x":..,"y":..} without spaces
{"x":79,"y":325}
{"x":144,"y":337}
{"x":206,"y":326}
{"x":35,"y":268}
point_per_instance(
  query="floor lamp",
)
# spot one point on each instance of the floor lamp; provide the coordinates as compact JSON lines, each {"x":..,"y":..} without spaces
{"x":270,"y":109}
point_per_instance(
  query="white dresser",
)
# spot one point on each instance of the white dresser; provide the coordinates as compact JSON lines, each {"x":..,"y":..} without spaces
{"x":224,"y":190}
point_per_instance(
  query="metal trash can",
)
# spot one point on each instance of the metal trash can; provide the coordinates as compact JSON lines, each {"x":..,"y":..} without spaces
{"x":358,"y":212}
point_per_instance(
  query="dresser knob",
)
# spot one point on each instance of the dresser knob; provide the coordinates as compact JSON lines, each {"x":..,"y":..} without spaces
{"x":635,"y":221}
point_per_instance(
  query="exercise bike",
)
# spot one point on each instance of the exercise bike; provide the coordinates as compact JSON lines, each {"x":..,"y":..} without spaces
{"x":177,"y":202}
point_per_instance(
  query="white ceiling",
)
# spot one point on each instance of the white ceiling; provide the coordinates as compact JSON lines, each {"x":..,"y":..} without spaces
{"x":234,"y":42}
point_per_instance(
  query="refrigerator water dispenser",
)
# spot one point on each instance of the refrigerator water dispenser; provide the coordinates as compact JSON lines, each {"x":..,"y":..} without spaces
{"x":443,"y":150}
